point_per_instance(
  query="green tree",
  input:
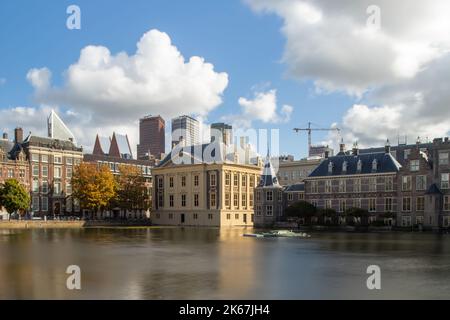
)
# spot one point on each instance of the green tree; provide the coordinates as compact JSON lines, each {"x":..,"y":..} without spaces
{"x":94,"y":186}
{"x":327,"y":213}
{"x":131,"y":189}
{"x":14,"y":197}
{"x":358,"y":213}
{"x":301,"y":210}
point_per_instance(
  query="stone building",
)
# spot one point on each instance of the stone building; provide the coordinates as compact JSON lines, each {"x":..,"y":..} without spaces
{"x":203,"y":185}
{"x":295,"y":171}
{"x":367,"y":181}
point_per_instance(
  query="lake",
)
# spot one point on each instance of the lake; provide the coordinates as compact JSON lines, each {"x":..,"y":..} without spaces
{"x":190,"y":263}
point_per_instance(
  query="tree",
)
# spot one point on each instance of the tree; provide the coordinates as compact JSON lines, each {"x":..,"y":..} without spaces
{"x":14,"y":197}
{"x":301,"y":210}
{"x":131,"y":189}
{"x":327,"y":213}
{"x":352,"y":213}
{"x":94,"y":186}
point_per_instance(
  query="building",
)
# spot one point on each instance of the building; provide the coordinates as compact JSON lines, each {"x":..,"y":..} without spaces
{"x":185,"y":129}
{"x":367,"y":181}
{"x":118,"y":146}
{"x":192,"y":189}
{"x":295,"y":171}
{"x":152,"y":137}
{"x":57,"y":129}
{"x":222,"y":132}
{"x":13,"y":164}
{"x":51,"y":163}
{"x":320,"y":151}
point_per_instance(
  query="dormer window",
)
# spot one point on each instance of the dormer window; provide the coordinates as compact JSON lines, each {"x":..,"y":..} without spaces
{"x":344,"y":166}
{"x":359,"y":166}
{"x":374,"y":165}
{"x":330,"y":167}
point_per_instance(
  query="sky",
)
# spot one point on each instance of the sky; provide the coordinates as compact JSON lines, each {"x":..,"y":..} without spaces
{"x":376,"y":73}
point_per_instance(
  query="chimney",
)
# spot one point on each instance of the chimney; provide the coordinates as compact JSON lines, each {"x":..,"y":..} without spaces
{"x":342,"y":146}
{"x":355,"y":150}
{"x":18,"y":135}
{"x":5,"y":136}
{"x":387,"y":147}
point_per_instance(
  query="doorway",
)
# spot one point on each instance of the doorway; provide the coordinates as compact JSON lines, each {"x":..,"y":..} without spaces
{"x":183,"y":218}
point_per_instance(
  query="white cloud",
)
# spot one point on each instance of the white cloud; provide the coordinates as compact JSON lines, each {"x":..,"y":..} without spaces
{"x":264,"y":107}
{"x":103,"y":92}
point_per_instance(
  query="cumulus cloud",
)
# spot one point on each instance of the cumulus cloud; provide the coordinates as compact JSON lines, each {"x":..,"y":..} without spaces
{"x":398,"y":74}
{"x":264,"y":107}
{"x":102,"y":91}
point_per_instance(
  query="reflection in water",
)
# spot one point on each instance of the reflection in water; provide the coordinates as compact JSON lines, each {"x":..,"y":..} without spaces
{"x":173,"y":263}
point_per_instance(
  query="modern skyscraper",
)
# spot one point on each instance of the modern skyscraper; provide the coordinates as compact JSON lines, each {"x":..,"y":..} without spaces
{"x":57,"y":129}
{"x":222,"y":131}
{"x":186,"y":129}
{"x":151,"y":137}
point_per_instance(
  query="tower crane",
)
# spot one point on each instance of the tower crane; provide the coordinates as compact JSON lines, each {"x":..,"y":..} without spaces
{"x":310,"y":130}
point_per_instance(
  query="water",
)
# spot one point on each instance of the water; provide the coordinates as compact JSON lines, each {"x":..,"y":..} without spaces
{"x":171,"y":263}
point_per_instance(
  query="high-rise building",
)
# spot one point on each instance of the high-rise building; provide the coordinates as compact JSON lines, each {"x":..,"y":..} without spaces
{"x":151,"y":137}
{"x":185,"y":129}
{"x":57,"y":129}
{"x":222,"y":131}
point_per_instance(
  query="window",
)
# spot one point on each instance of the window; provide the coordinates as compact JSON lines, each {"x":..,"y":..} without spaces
{"x":342,"y":185}
{"x":35,"y":158}
{"x":210,"y":216}
{"x":258,"y":211}
{"x":160,"y":200}
{"x":290,"y":196}
{"x":414,"y":165}
{"x":44,"y":186}
{"x":328,"y":185}
{"x":170,"y":182}
{"x":57,"y":173}
{"x":35,"y":204}
{"x":57,"y":159}
{"x":213,"y":180}
{"x":406,"y":183}
{"x":69,"y":161}
{"x":35,"y":185}
{"x":195,"y":215}
{"x":328,"y":204}
{"x":196,"y":181}
{"x":357,"y":185}
{"x":389,"y":184}
{"x":330,"y":167}
{"x":236,"y":200}
{"x":236,"y":180}
{"x":344,"y":166}
{"x":342,"y":205}
{"x":359,"y":166}
{"x":57,"y":188}
{"x":227,"y":200}
{"x":420,"y":204}
{"x":446,"y":203}
{"x":372,"y":205}
{"x":269,"y":196}
{"x":406,"y":205}
{"x":252,"y":181}
{"x":372,"y":184}
{"x":228,"y":216}
{"x":244,"y":181}
{"x":406,"y":221}
{"x":419,"y":219}
{"x":171,"y":200}
{"x":196,"y":200}
{"x":280,"y":196}
{"x":251,"y":200}
{"x":69,"y":172}
{"x":227,"y":179}
{"x":160,"y":183}
{"x":445,"y":181}
{"x":388,"y":204}
{"x":269,"y":211}
{"x":68,"y":188}
{"x":11,"y":173}
{"x":314,"y":187}
{"x":213,"y":200}
{"x":406,"y":154}
{"x":443,"y":158}
{"x":183,"y":200}
{"x":236,"y":216}
{"x":244,"y":200}
{"x":183,"y":181}
{"x":44,"y":158}
{"x":356,"y":203}
{"x":421,"y":183}
{"x":45,"y":204}
{"x":35,"y":171}
{"x":258,"y":196}
{"x":374,"y":165}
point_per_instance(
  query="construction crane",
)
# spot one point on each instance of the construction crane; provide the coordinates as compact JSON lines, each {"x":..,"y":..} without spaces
{"x":310,"y":130}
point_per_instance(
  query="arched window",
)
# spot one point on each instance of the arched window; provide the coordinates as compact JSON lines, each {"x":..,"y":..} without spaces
{"x":374,"y":165}
{"x":359,"y":165}
{"x":344,"y":166}
{"x":330,"y":167}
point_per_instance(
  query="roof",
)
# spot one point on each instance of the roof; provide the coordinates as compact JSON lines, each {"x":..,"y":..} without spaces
{"x":51,"y":143}
{"x":433,"y":189}
{"x":385,"y":163}
{"x":105,"y":143}
{"x":393,"y":148}
{"x":120,"y":146}
{"x":268,"y":178}
{"x":299,"y":187}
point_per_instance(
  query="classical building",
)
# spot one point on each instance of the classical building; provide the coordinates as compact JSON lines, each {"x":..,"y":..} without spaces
{"x":367,"y":181}
{"x":204,"y":186}
{"x":152,"y":137}
{"x":51,"y":163}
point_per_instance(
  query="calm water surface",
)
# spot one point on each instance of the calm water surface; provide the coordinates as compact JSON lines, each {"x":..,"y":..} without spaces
{"x":170,"y":263}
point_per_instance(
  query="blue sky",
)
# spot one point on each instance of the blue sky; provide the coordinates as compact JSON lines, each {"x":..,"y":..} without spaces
{"x":239,"y":40}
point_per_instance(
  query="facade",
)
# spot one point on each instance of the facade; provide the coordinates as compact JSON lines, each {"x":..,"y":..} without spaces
{"x":199,"y":192}
{"x":367,"y":181}
{"x":224,"y":132}
{"x":114,"y":163}
{"x":152,"y":137}
{"x":185,"y":129}
{"x":295,"y":171}
{"x":51,"y":163}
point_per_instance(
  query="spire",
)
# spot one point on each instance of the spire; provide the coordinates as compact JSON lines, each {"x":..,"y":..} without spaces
{"x":268,"y":177}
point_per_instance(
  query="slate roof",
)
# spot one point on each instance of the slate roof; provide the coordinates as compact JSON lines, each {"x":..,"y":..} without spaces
{"x":268,"y":178}
{"x":433,"y":189}
{"x":386,"y":163}
{"x":299,"y":187}
{"x":51,"y":143}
